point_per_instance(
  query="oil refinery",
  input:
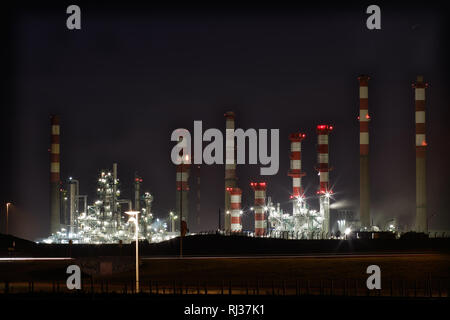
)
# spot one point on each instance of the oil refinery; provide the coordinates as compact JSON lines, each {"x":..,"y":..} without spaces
{"x":104,"y":220}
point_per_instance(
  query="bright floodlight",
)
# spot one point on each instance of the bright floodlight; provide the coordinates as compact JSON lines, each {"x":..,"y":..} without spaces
{"x":327,"y":194}
{"x":347,"y":231}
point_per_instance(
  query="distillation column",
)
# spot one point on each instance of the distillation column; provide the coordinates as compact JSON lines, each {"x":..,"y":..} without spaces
{"x":230,"y":164}
{"x":235,"y":204}
{"x":55,"y":200}
{"x":260,"y":199}
{"x":324,"y":190}
{"x":364,"y":180}
{"x":421,"y":144}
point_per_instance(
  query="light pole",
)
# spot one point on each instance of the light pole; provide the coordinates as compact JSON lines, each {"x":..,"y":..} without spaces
{"x":7,"y":214}
{"x":135,"y":216}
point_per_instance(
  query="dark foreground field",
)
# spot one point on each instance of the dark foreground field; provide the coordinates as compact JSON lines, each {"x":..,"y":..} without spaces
{"x":301,"y":268}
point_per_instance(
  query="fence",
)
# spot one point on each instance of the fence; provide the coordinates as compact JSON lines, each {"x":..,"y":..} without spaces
{"x":329,"y":287}
{"x":296,"y":235}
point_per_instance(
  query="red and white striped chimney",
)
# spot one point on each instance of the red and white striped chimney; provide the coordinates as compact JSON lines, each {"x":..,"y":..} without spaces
{"x":324,"y":190}
{"x":421,"y":144}
{"x":235,"y":200}
{"x":230,"y":163}
{"x":364,"y":184}
{"x":55,"y":202}
{"x":182,"y":177}
{"x":296,"y":164}
{"x":260,"y":200}
{"x":296,"y":169}
{"x":322,"y":134}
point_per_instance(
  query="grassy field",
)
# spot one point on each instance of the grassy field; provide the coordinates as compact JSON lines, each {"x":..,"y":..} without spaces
{"x":396,"y":267}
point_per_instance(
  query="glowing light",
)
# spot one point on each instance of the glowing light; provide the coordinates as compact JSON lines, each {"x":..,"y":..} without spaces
{"x":347,"y":231}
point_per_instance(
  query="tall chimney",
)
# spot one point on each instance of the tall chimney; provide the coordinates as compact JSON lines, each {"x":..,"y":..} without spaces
{"x":137,"y":192}
{"x":324,"y":190}
{"x":364,"y":184}
{"x":230,"y":164}
{"x":235,"y":214}
{"x":421,"y":144}
{"x":260,"y":200}
{"x":55,"y":200}
{"x":296,"y":170}
{"x":182,"y":177}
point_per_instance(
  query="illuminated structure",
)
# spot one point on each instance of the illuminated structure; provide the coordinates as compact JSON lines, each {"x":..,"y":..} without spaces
{"x":230,"y":164}
{"x":55,"y":200}
{"x":421,"y":147}
{"x":324,"y":191}
{"x":182,"y":185}
{"x":260,"y":207}
{"x":105,"y":221}
{"x":296,"y":172}
{"x":364,"y":184}
{"x":236,"y":212}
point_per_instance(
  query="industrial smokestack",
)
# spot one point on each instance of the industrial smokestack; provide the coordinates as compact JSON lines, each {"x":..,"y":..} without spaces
{"x":324,"y":190}
{"x":137,"y":192}
{"x":296,"y":170}
{"x":230,"y":164}
{"x":182,"y":177}
{"x":421,"y":144}
{"x":364,"y":184}
{"x":235,"y":214}
{"x":260,"y":200}
{"x":55,"y":200}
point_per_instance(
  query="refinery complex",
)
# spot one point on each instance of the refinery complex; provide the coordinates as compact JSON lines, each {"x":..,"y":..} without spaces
{"x":77,"y":219}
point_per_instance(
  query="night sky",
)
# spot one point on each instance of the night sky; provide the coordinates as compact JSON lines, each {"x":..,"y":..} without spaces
{"x":133,"y":74}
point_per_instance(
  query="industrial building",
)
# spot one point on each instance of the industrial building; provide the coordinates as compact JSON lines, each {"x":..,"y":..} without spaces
{"x":72,"y":218}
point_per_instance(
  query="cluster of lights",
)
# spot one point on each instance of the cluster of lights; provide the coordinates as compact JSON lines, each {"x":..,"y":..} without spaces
{"x":101,"y":224}
{"x":324,"y":127}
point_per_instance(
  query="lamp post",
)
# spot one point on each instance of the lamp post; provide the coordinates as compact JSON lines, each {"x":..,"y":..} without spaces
{"x":135,"y":216}
{"x":7,"y":214}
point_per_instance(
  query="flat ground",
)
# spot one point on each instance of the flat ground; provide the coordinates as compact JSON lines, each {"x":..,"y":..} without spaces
{"x":393,"y":266}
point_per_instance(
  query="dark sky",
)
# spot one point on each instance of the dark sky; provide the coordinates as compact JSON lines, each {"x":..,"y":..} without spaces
{"x":133,"y":74}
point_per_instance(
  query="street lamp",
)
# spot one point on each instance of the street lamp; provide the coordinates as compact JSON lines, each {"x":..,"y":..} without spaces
{"x":7,"y":213}
{"x":135,"y":217}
